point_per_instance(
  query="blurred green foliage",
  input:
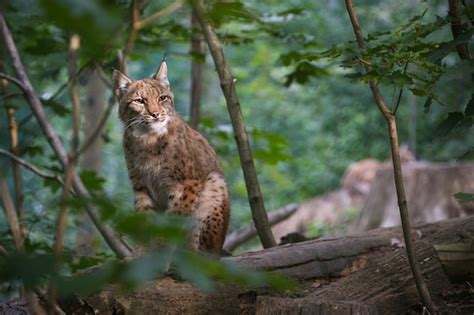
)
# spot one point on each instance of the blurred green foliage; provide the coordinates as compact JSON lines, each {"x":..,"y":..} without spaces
{"x":298,"y":72}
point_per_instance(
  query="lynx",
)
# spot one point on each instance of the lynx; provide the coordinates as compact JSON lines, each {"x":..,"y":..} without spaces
{"x":172,"y":167}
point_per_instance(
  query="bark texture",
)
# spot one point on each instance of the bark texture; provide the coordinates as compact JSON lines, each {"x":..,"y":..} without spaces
{"x":365,"y":274}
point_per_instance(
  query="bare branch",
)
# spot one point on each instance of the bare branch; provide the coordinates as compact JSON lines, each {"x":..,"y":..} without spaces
{"x":115,"y":243}
{"x":400,"y":93}
{"x":166,"y":11}
{"x":8,"y":96}
{"x":257,"y":205}
{"x":95,"y":134}
{"x":13,"y":80}
{"x":32,"y":168}
{"x":132,"y":36}
{"x":397,"y":169}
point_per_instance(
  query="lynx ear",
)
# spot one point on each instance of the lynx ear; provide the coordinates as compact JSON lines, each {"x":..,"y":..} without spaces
{"x":162,"y":75}
{"x":121,"y":83}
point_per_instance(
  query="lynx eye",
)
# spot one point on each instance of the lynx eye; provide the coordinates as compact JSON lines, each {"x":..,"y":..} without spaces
{"x":139,"y":101}
{"x":164,"y":97}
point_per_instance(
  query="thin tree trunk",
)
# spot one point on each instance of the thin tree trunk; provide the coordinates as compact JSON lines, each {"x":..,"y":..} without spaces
{"x":197,"y":49}
{"x":13,"y":135}
{"x":390,"y":117}
{"x":91,"y":158}
{"x":259,"y":213}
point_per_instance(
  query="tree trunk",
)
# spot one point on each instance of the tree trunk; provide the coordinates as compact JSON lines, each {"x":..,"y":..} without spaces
{"x":365,"y":274}
{"x":91,"y":158}
{"x":259,"y":214}
{"x":197,"y":50}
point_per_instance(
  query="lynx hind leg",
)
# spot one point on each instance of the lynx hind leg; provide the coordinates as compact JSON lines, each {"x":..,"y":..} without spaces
{"x":212,"y":216}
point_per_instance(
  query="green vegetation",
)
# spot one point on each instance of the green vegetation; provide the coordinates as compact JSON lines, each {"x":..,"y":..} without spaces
{"x":298,"y":78}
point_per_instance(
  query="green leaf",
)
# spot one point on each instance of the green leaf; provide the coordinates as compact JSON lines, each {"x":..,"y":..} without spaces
{"x":58,"y":108}
{"x":427,"y":104}
{"x":303,"y":72}
{"x":91,"y":180}
{"x":228,"y":11}
{"x":464,"y":197}
{"x":96,"y":21}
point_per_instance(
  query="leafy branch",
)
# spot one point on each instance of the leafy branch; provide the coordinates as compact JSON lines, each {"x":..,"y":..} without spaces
{"x":115,"y":243}
{"x":390,"y":118}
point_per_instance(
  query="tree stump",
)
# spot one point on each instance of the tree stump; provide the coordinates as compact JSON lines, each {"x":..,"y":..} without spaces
{"x":429,"y":188}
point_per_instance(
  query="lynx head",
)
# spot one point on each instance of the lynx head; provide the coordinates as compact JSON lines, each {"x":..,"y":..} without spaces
{"x":145,"y":106}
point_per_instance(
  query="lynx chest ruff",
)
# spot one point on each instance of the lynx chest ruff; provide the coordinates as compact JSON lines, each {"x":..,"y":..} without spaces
{"x":172,"y":167}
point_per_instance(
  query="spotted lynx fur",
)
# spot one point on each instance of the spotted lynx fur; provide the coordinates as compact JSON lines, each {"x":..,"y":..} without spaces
{"x":172,"y":168}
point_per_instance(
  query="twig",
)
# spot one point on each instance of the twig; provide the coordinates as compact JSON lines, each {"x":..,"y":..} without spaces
{"x":163,"y":12}
{"x":257,"y":205}
{"x":114,"y":242}
{"x":138,"y":24}
{"x":98,"y":129}
{"x":8,"y":96}
{"x":393,"y":134}
{"x":400,"y":93}
{"x":32,"y":168}
{"x":132,"y":36}
{"x":13,"y":80}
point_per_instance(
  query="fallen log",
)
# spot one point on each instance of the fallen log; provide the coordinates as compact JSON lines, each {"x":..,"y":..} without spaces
{"x":365,"y":274}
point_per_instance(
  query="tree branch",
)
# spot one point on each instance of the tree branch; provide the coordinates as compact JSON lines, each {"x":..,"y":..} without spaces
{"x":393,"y":134}
{"x":95,"y":134}
{"x":115,"y":243}
{"x":163,"y":12}
{"x":13,"y":80}
{"x":32,"y":168}
{"x":259,"y":213}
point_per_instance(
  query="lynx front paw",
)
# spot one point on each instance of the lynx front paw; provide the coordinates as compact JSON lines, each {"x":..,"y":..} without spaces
{"x":143,"y":202}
